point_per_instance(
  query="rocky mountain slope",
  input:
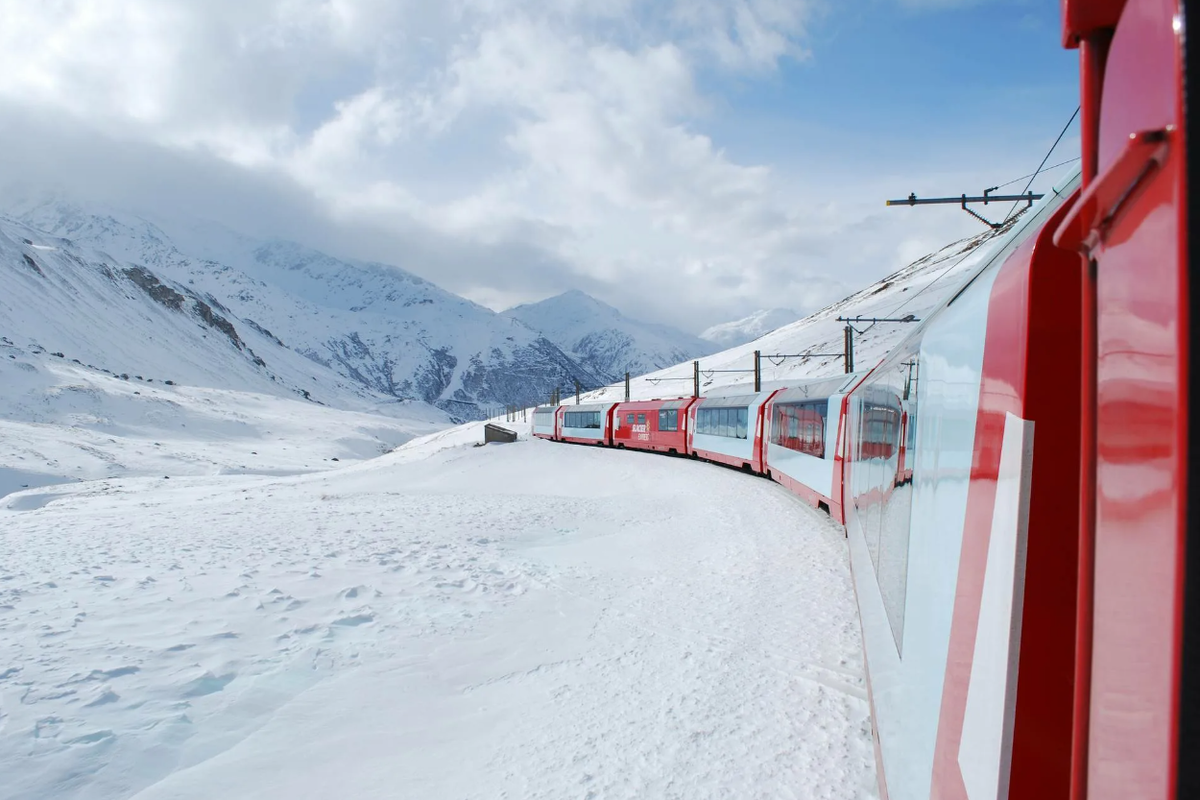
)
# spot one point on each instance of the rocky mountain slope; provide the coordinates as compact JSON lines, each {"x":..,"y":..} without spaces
{"x":372,"y":324}
{"x":604,"y":340}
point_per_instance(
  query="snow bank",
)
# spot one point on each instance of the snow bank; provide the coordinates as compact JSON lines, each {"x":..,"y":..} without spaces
{"x":522,"y":620}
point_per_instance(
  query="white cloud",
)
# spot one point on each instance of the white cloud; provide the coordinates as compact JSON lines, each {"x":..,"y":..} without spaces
{"x":563,"y":139}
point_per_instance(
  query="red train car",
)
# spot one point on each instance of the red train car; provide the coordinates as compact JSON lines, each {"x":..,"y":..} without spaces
{"x":658,"y":425}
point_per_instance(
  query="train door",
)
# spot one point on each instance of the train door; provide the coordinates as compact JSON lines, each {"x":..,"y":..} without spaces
{"x":1137,"y":706}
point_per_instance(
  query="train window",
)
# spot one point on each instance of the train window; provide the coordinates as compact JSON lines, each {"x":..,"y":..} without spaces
{"x":641,"y":419}
{"x":729,"y":422}
{"x":800,"y":427}
{"x":582,"y":419}
{"x":629,"y":419}
{"x":887,"y":425}
{"x":668,"y":420}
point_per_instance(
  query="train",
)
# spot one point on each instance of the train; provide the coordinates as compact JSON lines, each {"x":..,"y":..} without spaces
{"x":1014,"y":478}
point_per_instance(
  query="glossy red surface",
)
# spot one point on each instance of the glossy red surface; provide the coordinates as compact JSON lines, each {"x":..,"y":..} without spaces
{"x":650,"y":438}
{"x":1082,"y":18}
{"x":1141,"y":330}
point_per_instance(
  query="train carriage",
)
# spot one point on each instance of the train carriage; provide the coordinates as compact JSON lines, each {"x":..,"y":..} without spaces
{"x":588,"y":423}
{"x":658,"y":425}
{"x":1017,"y":493}
{"x":959,"y":524}
{"x":727,"y":429}
{"x":543,"y":425}
{"x":802,"y":440}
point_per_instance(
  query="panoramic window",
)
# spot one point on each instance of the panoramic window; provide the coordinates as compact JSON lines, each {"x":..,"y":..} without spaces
{"x":732,"y":423}
{"x":800,"y":427}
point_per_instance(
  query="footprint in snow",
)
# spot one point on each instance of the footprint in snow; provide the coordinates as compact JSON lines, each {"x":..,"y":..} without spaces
{"x":47,"y":727}
{"x":208,"y":684}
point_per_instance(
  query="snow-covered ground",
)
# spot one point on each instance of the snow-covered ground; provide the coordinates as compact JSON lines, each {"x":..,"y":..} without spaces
{"x":63,"y":422}
{"x":525,"y":620}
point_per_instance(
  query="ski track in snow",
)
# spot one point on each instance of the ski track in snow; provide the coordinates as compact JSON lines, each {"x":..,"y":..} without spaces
{"x":530,"y":620}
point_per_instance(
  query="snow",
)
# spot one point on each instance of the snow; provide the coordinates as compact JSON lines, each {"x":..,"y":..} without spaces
{"x":63,"y":422}
{"x":220,"y":588}
{"x":523,"y":620}
{"x":747,"y":329}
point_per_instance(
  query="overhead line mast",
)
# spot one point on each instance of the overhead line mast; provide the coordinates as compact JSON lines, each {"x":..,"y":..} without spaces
{"x":964,"y":200}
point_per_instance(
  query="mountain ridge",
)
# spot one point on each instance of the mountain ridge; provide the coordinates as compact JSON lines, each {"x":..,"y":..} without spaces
{"x":603,"y":339}
{"x":391,"y":331}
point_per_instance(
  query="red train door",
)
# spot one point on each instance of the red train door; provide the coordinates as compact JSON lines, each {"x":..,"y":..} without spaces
{"x":1136,"y":717}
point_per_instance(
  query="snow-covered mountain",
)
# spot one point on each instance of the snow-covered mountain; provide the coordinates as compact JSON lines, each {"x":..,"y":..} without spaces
{"x":107,"y":369}
{"x":604,"y":340}
{"x":747,"y":329}
{"x":373,"y":324}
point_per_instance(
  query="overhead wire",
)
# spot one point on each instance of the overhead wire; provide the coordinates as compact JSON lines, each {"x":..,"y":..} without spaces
{"x":1034,"y":174}
{"x":1032,"y":177}
{"x":1038,"y":171}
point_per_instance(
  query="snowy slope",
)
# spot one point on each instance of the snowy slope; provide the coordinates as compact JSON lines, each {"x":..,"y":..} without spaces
{"x":747,"y":329}
{"x":373,"y":324}
{"x":108,"y":370}
{"x":445,"y":621}
{"x":604,"y":340}
{"x":64,"y":422}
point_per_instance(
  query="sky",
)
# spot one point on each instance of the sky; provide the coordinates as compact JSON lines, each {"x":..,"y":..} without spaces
{"x":688,"y":161}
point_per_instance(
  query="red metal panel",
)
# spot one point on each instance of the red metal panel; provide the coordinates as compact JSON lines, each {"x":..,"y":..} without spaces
{"x":1141,"y":331}
{"x":1083,"y":18}
{"x":652,"y":438}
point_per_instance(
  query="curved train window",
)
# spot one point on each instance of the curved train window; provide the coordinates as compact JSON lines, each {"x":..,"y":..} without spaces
{"x":887,"y":425}
{"x":582,"y":419}
{"x":800,"y":427}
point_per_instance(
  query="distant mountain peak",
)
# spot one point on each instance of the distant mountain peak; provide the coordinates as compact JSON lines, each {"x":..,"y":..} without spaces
{"x":603,"y":339}
{"x":747,"y":329}
{"x":370,"y":324}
